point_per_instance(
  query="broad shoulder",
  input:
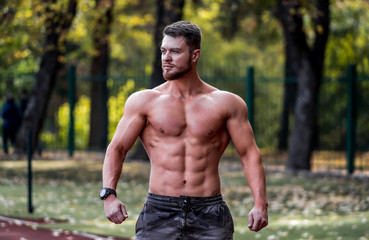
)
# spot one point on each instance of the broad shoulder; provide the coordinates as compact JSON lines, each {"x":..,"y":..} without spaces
{"x":228,"y":98}
{"x":143,"y":95}
{"x":141,"y":99}
{"x":232,"y":104}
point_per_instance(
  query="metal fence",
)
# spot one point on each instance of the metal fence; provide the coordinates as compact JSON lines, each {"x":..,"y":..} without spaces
{"x":336,"y":117}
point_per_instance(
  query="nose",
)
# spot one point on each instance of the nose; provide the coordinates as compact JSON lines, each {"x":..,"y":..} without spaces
{"x":165,"y":56}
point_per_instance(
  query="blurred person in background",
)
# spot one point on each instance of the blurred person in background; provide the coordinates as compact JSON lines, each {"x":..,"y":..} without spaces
{"x":11,"y":121}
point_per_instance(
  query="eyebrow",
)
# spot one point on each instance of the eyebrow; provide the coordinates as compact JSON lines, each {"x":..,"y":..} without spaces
{"x":171,"y":48}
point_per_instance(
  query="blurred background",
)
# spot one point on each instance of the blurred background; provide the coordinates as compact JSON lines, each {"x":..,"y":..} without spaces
{"x":301,"y":66}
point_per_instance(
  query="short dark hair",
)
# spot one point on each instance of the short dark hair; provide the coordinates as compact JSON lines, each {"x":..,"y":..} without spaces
{"x":191,"y":32}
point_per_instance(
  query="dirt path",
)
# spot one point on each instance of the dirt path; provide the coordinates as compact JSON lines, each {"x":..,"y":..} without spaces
{"x":22,"y":229}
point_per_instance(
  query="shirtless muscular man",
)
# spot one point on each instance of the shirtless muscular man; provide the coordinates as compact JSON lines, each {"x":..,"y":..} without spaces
{"x":185,"y":125}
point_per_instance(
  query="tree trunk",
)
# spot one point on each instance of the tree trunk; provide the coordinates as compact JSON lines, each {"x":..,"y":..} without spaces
{"x":99,"y":72}
{"x":301,"y":148}
{"x":168,"y":11}
{"x":309,"y":63}
{"x":289,"y":96}
{"x":57,"y":24}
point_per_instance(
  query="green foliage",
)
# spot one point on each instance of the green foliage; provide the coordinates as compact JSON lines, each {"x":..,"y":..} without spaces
{"x":82,"y":119}
{"x":63,"y":120}
{"x":362,"y":131}
{"x":267,"y":124}
{"x":130,"y":39}
{"x":82,"y":122}
{"x":257,"y":42}
{"x":221,"y":57}
{"x":19,"y":43}
{"x":348,"y":41}
{"x":332,"y":115}
{"x":20,"y":33}
{"x":116,"y":106}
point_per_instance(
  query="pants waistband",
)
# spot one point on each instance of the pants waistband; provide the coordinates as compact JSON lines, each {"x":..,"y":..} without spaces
{"x":184,"y":200}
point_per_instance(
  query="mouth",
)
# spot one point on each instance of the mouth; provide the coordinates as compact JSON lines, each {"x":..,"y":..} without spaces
{"x":166,"y":66}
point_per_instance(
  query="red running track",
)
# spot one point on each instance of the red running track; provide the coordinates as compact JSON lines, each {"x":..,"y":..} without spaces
{"x":22,"y":229}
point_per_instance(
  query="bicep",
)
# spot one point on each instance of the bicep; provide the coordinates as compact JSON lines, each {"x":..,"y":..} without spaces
{"x":129,"y":126}
{"x":239,"y":128}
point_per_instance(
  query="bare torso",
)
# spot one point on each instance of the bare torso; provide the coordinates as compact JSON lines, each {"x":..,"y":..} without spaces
{"x":185,"y":139}
{"x":185,"y":126}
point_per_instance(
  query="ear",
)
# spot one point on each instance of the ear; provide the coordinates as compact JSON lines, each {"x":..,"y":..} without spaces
{"x":195,"y":55}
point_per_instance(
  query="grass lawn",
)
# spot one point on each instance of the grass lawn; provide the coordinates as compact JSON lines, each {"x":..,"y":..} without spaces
{"x":301,"y":207}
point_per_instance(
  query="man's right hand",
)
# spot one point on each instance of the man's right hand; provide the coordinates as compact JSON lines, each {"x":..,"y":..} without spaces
{"x":115,"y":210}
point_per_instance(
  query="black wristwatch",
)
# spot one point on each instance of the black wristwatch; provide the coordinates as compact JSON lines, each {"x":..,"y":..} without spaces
{"x":105,"y":192}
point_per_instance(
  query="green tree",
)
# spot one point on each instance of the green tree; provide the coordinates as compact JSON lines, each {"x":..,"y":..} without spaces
{"x":251,"y":36}
{"x":58,"y":19}
{"x":309,"y":62}
{"x":348,"y":37}
{"x":99,"y":73}
{"x":20,"y":47}
{"x":167,"y":12}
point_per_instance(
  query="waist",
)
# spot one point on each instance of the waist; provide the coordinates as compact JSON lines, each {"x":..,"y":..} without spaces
{"x":179,"y":201}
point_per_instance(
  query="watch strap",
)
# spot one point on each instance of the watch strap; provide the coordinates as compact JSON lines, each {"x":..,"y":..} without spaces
{"x":108,"y":191}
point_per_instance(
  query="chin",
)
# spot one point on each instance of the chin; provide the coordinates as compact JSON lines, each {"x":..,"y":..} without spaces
{"x":170,"y":77}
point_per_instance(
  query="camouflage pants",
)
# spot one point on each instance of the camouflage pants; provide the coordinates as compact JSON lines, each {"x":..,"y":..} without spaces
{"x":184,"y":218}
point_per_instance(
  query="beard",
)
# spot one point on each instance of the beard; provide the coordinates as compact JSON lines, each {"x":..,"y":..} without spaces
{"x":182,"y":70}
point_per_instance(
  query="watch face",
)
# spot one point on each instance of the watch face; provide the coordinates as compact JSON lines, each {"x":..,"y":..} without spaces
{"x":102,"y":192}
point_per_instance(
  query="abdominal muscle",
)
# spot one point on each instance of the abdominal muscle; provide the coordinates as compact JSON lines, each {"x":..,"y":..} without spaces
{"x":181,"y":168}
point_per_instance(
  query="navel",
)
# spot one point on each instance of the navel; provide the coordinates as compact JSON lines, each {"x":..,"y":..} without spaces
{"x":161,"y":131}
{"x":184,"y":181}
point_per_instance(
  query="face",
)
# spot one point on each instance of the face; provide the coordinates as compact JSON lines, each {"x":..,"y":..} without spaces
{"x":176,"y":58}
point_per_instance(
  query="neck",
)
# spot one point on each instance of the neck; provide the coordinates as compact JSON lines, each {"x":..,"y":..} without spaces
{"x":187,"y":86}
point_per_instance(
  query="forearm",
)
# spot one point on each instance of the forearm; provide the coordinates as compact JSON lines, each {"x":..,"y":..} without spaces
{"x":255,"y":176}
{"x":112,"y":167}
